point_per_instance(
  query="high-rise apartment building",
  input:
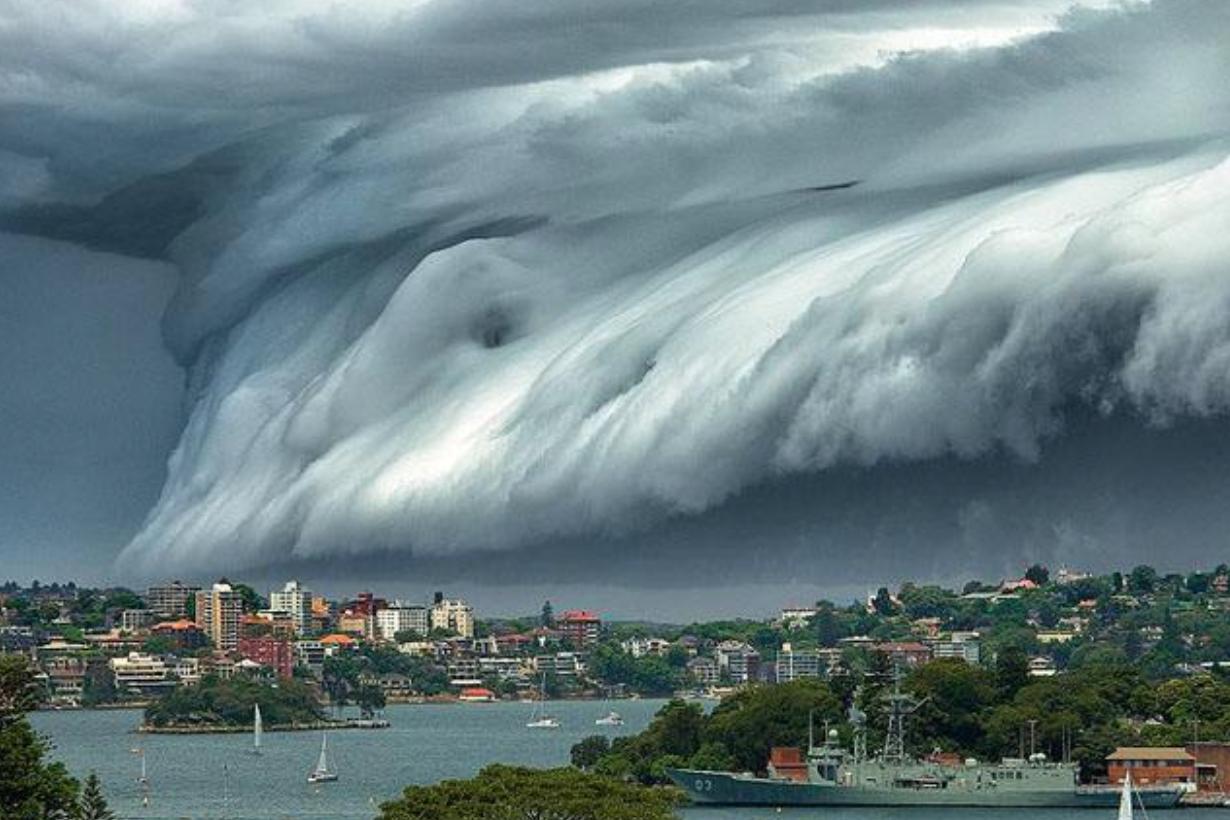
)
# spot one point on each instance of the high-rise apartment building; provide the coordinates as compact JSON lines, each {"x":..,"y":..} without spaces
{"x":452,"y":615}
{"x":169,"y":601}
{"x":295,"y":600}
{"x":218,"y":613}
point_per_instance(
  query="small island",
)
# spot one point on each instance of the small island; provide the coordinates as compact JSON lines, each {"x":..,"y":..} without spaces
{"x":222,"y":706}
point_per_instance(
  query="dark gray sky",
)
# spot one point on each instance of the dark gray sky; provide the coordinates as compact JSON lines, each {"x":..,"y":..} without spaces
{"x":549,"y":299}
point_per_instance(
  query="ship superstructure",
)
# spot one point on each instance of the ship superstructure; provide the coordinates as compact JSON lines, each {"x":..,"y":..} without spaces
{"x":835,"y":777}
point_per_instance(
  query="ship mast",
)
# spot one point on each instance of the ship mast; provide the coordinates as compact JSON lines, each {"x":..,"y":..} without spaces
{"x":900,"y":706}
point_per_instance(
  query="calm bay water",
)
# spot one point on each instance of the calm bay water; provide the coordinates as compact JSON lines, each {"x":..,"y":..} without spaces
{"x":215,"y":776}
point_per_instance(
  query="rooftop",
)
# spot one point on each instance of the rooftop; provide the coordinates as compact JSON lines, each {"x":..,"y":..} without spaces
{"x":1150,"y":753}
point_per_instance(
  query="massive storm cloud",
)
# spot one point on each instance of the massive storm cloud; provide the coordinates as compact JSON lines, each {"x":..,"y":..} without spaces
{"x":555,"y":285}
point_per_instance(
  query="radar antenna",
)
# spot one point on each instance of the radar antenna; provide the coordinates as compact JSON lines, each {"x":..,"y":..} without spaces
{"x":900,"y":706}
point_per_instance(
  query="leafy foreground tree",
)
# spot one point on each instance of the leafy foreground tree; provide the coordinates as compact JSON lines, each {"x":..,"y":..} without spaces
{"x":93,"y":805}
{"x":512,"y":793}
{"x":30,"y":787}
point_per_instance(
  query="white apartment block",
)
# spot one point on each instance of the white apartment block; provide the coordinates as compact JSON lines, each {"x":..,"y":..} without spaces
{"x":295,"y":600}
{"x":402,"y":618}
{"x":796,"y":664}
{"x":140,"y":672}
{"x":453,"y":615}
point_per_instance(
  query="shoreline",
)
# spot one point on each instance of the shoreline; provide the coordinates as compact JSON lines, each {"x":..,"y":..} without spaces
{"x":319,"y":726}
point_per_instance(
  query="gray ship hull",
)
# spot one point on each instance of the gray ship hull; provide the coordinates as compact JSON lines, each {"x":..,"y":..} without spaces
{"x":724,"y":788}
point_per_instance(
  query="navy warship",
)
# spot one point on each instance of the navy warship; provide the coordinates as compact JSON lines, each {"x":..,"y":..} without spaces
{"x":831,"y":776}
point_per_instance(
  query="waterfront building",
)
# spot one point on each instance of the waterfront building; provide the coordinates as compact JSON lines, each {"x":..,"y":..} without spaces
{"x":582,"y":627}
{"x":401,"y":617}
{"x":464,"y":672}
{"x":476,"y":694}
{"x":704,"y":671}
{"x":1212,"y":765}
{"x":500,"y":667}
{"x":66,"y":677}
{"x":186,"y":670}
{"x":133,"y":620}
{"x":219,"y":611}
{"x":295,"y":600}
{"x":275,"y":653}
{"x":170,"y":600}
{"x":452,"y":615}
{"x":796,"y":664}
{"x":739,"y":661}
{"x":561,"y":664}
{"x":219,"y":664}
{"x":140,"y":673}
{"x":1151,"y":765}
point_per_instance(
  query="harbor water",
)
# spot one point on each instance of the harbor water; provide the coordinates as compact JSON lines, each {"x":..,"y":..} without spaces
{"x":217,"y":776}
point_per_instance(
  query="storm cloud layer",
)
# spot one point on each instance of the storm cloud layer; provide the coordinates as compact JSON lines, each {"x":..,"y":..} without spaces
{"x":466,"y":280}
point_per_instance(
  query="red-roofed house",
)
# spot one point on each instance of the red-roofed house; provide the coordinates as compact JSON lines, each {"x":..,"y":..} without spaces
{"x":580,"y":626}
{"x":909,"y":653}
{"x":476,"y":694}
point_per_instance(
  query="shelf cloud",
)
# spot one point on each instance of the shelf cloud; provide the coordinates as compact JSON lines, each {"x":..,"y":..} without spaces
{"x":461,"y":282}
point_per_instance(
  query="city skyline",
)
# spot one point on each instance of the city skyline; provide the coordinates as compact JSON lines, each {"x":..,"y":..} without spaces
{"x":757,"y":295}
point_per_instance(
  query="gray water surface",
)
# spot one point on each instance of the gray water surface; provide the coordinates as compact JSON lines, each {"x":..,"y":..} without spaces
{"x":216,"y":776}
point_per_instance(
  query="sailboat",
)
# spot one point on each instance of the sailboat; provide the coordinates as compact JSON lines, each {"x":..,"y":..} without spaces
{"x":321,"y":773}
{"x":256,"y":729}
{"x":539,"y":719}
{"x":1125,"y":799}
{"x":144,"y":778}
{"x":612,"y":719}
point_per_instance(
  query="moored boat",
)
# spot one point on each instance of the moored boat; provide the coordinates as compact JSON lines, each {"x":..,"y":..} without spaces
{"x":829,"y":776}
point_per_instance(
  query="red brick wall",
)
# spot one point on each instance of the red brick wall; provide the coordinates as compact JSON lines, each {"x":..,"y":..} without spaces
{"x":1150,"y":775}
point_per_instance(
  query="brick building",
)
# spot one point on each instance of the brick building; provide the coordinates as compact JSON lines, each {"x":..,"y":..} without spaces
{"x":1151,"y":765}
{"x":276,"y":653}
{"x":580,"y":626}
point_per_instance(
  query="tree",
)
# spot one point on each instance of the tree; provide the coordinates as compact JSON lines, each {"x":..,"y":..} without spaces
{"x":1039,"y":574}
{"x":752,"y":721}
{"x":30,"y":787}
{"x":93,"y":806}
{"x":586,"y":753}
{"x":370,"y":699}
{"x":1142,"y":579}
{"x":512,"y":793}
{"x":1011,"y":671}
{"x":548,"y":615}
{"x":252,"y":601}
{"x":883,"y":602}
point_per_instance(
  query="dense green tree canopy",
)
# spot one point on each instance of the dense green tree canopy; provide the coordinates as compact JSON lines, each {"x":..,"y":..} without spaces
{"x":31,"y":788}
{"x":510,"y":793}
{"x":231,"y":702}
